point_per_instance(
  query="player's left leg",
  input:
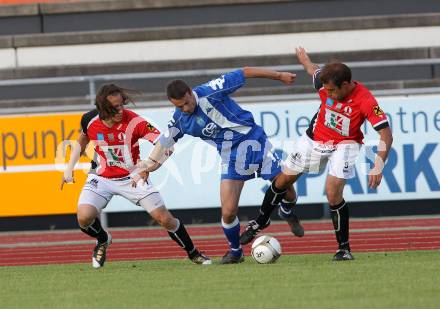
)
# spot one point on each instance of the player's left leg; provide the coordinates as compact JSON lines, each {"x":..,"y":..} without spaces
{"x":177,"y":232}
{"x":230,"y":190}
{"x":341,"y":167}
{"x":285,"y":212}
{"x":340,"y":216}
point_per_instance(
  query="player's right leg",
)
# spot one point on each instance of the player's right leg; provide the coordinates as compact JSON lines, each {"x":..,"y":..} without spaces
{"x":230,"y":190}
{"x":93,"y":198}
{"x":302,"y":159}
{"x":308,"y":157}
{"x":272,"y":198}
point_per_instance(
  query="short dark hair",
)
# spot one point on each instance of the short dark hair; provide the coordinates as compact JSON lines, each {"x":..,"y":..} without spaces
{"x":177,"y":89}
{"x":335,"y":72}
{"x":105,"y":109}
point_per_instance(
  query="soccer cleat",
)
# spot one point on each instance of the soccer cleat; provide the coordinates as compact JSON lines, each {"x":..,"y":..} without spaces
{"x":230,"y":258}
{"x":100,"y":252}
{"x":294,"y":223}
{"x":252,"y":229}
{"x":198,"y":257}
{"x":343,"y":255}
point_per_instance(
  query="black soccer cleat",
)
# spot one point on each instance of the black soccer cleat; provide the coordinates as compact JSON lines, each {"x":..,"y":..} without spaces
{"x":343,"y":255}
{"x":100,"y":252}
{"x":199,"y":258}
{"x":252,"y":229}
{"x":294,"y":223}
{"x":230,"y":258}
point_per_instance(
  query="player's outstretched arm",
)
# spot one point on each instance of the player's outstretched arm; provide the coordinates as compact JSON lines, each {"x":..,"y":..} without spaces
{"x":386,"y":139}
{"x":78,"y":148}
{"x":285,"y":77}
{"x":156,"y":158}
{"x":304,"y":59}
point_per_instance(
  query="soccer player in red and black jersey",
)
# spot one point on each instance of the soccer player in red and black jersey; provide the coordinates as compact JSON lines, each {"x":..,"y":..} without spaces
{"x":334,"y":136}
{"x":115,"y":133}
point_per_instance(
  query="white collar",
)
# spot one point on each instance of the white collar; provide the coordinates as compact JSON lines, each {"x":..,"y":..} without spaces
{"x":196,"y":96}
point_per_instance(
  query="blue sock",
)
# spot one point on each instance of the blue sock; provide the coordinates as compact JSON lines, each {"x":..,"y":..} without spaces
{"x":232,"y":233}
{"x":286,"y":209}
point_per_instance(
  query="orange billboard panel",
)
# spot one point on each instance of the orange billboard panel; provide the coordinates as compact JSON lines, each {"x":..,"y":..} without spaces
{"x":29,"y":176}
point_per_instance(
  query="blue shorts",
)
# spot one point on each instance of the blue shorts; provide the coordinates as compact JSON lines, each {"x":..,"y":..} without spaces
{"x":251,"y":158}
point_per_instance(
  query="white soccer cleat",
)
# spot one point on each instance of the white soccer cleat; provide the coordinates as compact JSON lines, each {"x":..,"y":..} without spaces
{"x":100,"y":252}
{"x":200,"y":258}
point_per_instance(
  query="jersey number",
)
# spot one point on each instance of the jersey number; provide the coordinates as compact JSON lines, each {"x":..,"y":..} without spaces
{"x":217,"y":83}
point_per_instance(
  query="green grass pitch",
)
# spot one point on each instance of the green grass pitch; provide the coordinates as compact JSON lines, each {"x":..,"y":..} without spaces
{"x":374,"y":280}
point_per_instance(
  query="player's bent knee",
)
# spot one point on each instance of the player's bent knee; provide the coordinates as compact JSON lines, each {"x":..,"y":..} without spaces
{"x":284,"y":181}
{"x":86,"y":214}
{"x":229,"y":217}
{"x":169,"y":223}
{"x":84,"y":221}
{"x":229,"y":211}
{"x":290,"y":194}
{"x":164,"y":218}
{"x":334,"y":198}
{"x":334,"y":195}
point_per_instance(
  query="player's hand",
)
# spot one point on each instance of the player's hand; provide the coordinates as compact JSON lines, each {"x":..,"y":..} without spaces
{"x":67,"y":178}
{"x":305,"y":60}
{"x":287,"y":77}
{"x":302,"y":56}
{"x":374,"y":178}
{"x":141,"y":176}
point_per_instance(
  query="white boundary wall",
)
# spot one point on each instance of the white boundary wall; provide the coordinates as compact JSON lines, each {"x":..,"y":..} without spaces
{"x":222,"y":47}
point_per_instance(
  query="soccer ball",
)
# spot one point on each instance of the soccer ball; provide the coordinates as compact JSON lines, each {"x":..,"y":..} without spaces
{"x":266,"y":249}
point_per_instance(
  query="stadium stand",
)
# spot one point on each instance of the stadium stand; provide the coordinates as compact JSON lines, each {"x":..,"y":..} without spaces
{"x":92,"y":24}
{"x":46,"y":33}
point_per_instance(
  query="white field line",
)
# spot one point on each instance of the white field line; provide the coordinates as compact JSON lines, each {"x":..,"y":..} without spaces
{"x":315,"y":244}
{"x":173,"y":252}
{"x":205,"y":225}
{"x":215,"y":236}
{"x":161,"y":256}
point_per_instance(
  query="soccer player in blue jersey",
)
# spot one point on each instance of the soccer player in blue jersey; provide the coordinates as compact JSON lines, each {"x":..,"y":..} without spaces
{"x":208,"y":112}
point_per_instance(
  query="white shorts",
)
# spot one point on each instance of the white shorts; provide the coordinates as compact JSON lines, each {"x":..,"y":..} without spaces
{"x":311,"y":157}
{"x":98,"y":191}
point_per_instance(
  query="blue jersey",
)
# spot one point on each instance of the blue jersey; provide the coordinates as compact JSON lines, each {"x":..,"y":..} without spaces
{"x":220,"y":121}
{"x":216,"y":117}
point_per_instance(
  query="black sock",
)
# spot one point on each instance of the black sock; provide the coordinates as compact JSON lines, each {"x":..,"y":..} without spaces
{"x":95,"y":230}
{"x":272,"y":198}
{"x":181,"y":237}
{"x":340,"y":218}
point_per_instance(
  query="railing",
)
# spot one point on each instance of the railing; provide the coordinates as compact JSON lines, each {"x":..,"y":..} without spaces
{"x":92,"y":79}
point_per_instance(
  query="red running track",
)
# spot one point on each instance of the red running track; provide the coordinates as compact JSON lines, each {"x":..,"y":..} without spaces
{"x":377,"y":235}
